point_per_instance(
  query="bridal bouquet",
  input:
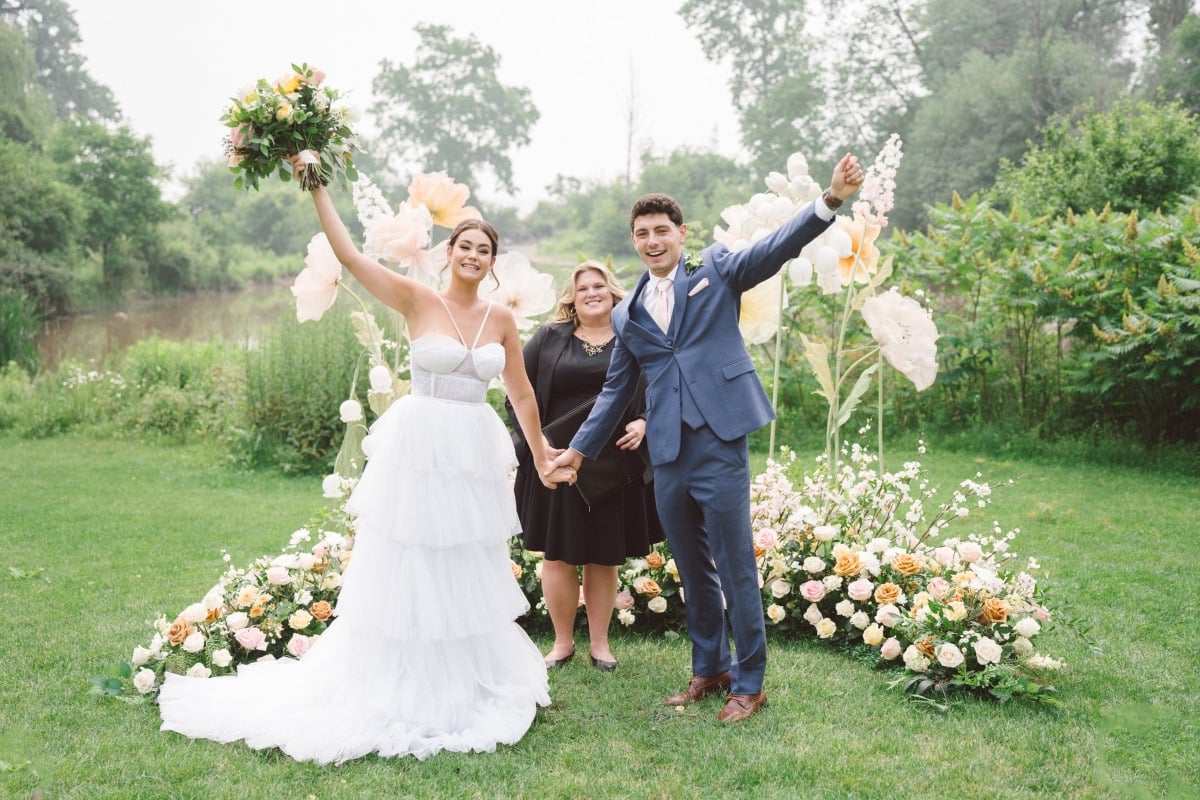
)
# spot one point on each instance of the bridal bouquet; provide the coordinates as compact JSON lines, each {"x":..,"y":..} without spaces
{"x":294,"y":115}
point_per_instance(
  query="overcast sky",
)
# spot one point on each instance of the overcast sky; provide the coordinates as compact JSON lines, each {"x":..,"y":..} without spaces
{"x":173,"y":66}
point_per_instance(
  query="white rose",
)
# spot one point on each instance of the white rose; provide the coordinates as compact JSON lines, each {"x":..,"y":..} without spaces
{"x":199,"y":671}
{"x":860,"y":620}
{"x":625,"y":617}
{"x":141,"y":655}
{"x":887,"y":615}
{"x":1044,"y":662}
{"x":143,"y":681}
{"x":914,"y":661}
{"x":814,"y":564}
{"x":870,"y":562}
{"x":776,"y":613}
{"x":780,"y":588}
{"x":878,"y":545}
{"x":306,"y":561}
{"x":949,"y":656}
{"x":826,"y":628}
{"x":825,"y":533}
{"x":1027,"y":627}
{"x":873,"y":635}
{"x":222,"y":658}
{"x":350,"y":411}
{"x":156,"y":643}
{"x":844,"y":608}
{"x":813,"y":615}
{"x":657,"y":604}
{"x":237,"y":620}
{"x":196,"y":612}
{"x":987,"y":651}
{"x":1022,"y":647}
{"x":969,"y":552}
{"x":194,"y":643}
{"x":331,"y":581}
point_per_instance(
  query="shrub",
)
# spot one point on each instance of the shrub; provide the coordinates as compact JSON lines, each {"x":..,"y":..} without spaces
{"x":18,"y":323}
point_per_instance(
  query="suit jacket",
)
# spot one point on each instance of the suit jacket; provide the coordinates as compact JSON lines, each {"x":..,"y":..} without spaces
{"x":699,"y":370}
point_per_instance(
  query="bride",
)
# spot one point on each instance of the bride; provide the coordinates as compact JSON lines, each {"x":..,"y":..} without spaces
{"x":424,"y":654}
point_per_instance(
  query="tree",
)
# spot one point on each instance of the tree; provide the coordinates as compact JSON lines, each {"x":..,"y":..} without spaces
{"x":115,"y":175}
{"x":50,"y":29}
{"x":25,"y":111}
{"x":1179,"y":68}
{"x":448,"y":111}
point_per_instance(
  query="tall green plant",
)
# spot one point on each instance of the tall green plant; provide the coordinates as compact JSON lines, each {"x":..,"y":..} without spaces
{"x":18,"y":323}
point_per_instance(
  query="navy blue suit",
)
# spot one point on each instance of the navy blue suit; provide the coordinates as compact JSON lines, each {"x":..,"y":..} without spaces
{"x":703,"y":398}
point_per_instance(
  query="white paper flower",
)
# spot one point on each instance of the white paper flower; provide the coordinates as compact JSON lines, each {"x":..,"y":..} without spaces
{"x":381,"y":379}
{"x":315,"y":288}
{"x":368,"y":446}
{"x":143,"y":681}
{"x":523,"y":290}
{"x":350,"y":411}
{"x":906,"y":335}
{"x":331,"y":486}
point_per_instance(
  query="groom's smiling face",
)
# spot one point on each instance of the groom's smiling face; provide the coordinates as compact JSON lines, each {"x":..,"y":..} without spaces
{"x":659,"y":242}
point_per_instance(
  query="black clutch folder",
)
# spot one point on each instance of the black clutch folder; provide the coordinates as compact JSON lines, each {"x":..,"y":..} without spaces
{"x":611,"y":470}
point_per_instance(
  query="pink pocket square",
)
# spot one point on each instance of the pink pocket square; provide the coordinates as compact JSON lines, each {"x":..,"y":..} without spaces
{"x":696,"y":289}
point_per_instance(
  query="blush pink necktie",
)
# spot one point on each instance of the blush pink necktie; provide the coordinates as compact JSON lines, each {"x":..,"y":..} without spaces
{"x":662,"y":304}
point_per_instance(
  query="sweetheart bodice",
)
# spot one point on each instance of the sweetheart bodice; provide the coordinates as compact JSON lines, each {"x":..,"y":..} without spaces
{"x":445,"y":368}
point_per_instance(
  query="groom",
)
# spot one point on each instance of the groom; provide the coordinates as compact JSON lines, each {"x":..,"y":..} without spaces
{"x":680,"y":326}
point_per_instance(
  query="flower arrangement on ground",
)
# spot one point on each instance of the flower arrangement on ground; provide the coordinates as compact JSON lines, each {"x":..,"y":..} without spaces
{"x":294,"y":115}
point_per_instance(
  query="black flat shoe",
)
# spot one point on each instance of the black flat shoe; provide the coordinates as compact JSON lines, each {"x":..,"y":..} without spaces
{"x":560,"y":662}
{"x":604,"y":666}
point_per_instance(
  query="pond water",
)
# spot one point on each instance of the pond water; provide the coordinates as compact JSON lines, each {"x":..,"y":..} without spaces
{"x":239,"y":316}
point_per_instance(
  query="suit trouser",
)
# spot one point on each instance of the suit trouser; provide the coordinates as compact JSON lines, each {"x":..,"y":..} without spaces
{"x":703,"y":500}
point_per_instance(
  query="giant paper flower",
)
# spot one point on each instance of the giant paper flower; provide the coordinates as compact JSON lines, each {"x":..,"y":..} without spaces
{"x":523,"y":290}
{"x":860,"y":263}
{"x":445,"y":199}
{"x":315,"y":288}
{"x":401,"y":239}
{"x":760,"y":310}
{"x":906,"y":335}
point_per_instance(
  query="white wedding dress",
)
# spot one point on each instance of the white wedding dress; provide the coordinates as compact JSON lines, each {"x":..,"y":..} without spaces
{"x":424,"y":654}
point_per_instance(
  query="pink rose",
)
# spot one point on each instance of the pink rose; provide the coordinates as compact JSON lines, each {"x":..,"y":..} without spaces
{"x":298,"y":645}
{"x":890,"y":649}
{"x":812,"y":591}
{"x":279,"y":576}
{"x":944,"y":556}
{"x":251,"y":639}
{"x":937,"y":588}
{"x":766,"y":539}
{"x":624,"y":601}
{"x":317,"y":78}
{"x":970,"y":552}
{"x":860,"y":589}
{"x":1042,"y":613}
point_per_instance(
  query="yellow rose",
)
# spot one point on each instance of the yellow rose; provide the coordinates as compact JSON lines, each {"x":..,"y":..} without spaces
{"x":283,"y":111}
{"x":180,"y":629}
{"x":672,"y":569}
{"x":300,"y":619}
{"x":907,"y":564}
{"x":516,"y":570}
{"x":887,"y":593}
{"x":776,"y":613}
{"x":995,"y":611}
{"x":650,"y":588}
{"x":847,"y":564}
{"x":321,"y":610}
{"x":290,"y":85}
{"x":873,"y":635}
{"x":655,"y":560}
{"x":955,"y":611}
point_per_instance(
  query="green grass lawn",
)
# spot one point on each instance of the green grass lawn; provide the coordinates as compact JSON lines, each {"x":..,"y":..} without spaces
{"x":101,"y":536}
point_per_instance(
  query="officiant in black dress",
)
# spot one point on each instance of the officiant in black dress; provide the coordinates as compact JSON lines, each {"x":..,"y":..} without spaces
{"x":594,"y":527}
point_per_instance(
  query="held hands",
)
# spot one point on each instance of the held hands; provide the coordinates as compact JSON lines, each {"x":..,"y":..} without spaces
{"x":548,"y":472}
{"x":635,"y":434}
{"x":847,"y":177}
{"x":563,"y":469}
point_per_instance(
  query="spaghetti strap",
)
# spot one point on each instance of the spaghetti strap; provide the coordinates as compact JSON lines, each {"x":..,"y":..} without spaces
{"x":455,"y":324}
{"x":482,"y":325}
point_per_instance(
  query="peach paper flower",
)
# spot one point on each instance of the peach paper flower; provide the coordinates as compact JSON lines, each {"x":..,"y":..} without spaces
{"x":906,"y":335}
{"x":863,"y":256}
{"x":445,"y":199}
{"x":315,"y":288}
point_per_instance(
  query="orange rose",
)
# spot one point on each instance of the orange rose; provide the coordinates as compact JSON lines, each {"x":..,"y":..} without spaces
{"x":995,"y":611}
{"x":321,"y":610}
{"x":925,"y":647}
{"x":847,"y":564}
{"x":907,"y":564}
{"x":887,"y":593}
{"x":655,"y":560}
{"x":516,"y":570}
{"x":650,"y":588}
{"x":180,"y":629}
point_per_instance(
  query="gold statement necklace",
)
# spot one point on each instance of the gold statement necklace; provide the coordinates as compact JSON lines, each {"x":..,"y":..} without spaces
{"x":591,"y":349}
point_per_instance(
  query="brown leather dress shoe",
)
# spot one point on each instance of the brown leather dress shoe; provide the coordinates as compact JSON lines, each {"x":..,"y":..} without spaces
{"x":741,"y":706}
{"x":700,"y":688}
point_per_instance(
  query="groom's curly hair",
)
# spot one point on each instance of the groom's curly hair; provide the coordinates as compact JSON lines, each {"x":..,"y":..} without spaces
{"x":656,"y":204}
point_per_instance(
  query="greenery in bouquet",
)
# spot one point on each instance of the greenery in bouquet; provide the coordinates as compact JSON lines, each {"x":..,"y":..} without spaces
{"x":294,"y":115}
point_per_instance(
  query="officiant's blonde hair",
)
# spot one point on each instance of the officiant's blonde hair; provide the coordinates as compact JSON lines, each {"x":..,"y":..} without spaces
{"x":566,"y":300}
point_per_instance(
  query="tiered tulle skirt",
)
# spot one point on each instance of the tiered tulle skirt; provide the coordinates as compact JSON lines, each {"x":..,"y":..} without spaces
{"x":424,"y":654}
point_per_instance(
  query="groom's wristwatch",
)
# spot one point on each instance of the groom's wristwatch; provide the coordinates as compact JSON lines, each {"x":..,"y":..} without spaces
{"x":828,"y":198}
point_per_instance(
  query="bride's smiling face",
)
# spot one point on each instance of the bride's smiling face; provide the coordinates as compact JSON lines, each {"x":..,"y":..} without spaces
{"x":471,"y":256}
